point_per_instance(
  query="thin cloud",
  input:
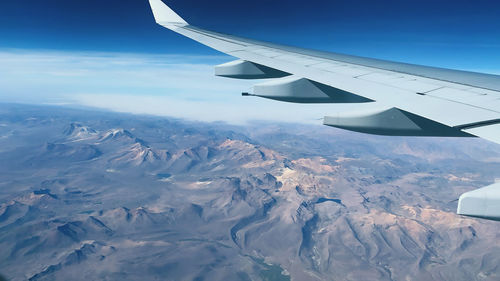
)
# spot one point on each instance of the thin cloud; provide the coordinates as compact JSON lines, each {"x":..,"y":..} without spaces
{"x":180,"y":86}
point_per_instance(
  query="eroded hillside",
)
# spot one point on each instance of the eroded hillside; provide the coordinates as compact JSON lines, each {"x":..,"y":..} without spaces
{"x":100,"y":196}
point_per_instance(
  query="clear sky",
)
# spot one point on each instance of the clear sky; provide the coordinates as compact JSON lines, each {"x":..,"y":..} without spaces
{"x":92,"y":52}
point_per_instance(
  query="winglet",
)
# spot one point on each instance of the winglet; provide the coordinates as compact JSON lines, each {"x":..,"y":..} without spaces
{"x":164,"y":15}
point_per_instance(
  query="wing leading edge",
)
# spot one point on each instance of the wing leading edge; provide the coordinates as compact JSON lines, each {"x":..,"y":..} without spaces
{"x":406,"y":99}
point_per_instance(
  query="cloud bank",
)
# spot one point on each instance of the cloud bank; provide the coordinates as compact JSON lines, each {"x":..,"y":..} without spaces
{"x":179,"y":86}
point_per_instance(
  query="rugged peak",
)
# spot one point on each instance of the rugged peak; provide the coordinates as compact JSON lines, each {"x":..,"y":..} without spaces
{"x":115,"y":134}
{"x":138,"y":154}
{"x":121,"y":135}
{"x":79,"y":131}
{"x":229,"y":143}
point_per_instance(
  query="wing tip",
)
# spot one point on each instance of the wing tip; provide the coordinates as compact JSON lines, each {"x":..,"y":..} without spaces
{"x":164,"y":14}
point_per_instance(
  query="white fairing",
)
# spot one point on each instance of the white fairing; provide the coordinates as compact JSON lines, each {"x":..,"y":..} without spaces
{"x":241,"y":69}
{"x":420,"y":100}
{"x":391,"y":122}
{"x":300,"y":90}
{"x":481,"y":203}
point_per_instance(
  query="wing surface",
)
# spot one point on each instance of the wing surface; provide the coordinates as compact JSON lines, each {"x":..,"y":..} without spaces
{"x":408,"y":100}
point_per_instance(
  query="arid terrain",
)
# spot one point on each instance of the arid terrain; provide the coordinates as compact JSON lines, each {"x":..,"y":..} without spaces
{"x":89,"y":195}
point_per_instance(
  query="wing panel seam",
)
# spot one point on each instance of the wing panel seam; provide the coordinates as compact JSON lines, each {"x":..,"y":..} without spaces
{"x":213,"y":36}
{"x":216,"y":35}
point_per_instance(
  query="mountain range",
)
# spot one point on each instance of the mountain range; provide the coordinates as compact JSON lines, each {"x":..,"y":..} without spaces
{"x":93,"y":195}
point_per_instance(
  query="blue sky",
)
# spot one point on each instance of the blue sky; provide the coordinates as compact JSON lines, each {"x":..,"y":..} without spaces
{"x":398,"y":29}
{"x":75,"y":38}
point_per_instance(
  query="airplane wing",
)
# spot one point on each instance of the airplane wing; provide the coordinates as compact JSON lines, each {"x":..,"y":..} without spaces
{"x":406,"y":99}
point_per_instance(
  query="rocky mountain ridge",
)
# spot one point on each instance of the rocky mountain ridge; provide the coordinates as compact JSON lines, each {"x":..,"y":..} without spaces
{"x":105,"y":196}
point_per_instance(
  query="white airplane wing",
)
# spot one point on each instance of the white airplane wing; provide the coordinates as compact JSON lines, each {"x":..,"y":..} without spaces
{"x":407,"y":99}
